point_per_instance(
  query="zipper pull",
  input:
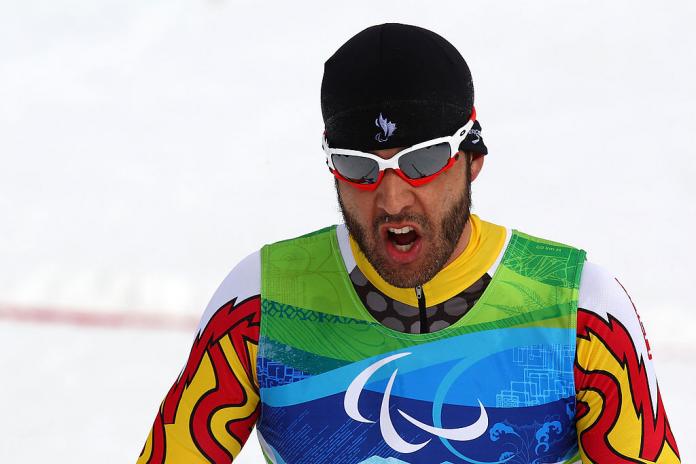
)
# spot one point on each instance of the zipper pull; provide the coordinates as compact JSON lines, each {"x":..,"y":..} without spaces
{"x":421,"y":310}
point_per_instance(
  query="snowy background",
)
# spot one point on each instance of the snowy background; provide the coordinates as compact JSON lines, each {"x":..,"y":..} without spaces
{"x":147,"y":146}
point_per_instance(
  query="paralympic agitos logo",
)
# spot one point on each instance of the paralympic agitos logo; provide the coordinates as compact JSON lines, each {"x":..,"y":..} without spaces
{"x":389,"y":433}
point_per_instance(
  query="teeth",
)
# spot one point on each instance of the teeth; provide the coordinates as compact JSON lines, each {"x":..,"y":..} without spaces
{"x":403,"y":248}
{"x":403,"y":230}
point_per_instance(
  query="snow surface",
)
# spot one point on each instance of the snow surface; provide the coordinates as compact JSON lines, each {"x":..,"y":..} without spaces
{"x":148,"y":146}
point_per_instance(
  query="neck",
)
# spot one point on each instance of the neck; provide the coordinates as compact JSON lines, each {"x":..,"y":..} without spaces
{"x":476,"y":251}
{"x":461,"y":244}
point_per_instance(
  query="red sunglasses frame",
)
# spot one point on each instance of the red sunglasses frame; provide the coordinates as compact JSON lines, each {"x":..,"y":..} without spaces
{"x":400,"y":173}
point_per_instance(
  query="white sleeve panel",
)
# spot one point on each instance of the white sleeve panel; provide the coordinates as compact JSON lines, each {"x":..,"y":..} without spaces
{"x":602,"y":294}
{"x":244,"y":281}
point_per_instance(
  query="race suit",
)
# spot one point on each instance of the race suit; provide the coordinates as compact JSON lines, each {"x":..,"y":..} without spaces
{"x":518,"y":351}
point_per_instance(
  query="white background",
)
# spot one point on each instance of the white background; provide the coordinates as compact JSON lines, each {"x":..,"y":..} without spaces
{"x":147,"y":146}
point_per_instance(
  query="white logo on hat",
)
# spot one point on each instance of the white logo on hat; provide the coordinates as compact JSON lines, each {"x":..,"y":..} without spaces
{"x":477,"y":133}
{"x":387,"y":127}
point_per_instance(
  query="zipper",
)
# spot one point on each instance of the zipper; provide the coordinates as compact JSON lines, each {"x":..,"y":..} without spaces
{"x":421,"y":310}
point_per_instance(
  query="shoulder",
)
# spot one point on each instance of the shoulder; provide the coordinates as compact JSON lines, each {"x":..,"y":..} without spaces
{"x":309,"y":236}
{"x":306,"y":252}
{"x":602,"y":295}
{"x":545,"y":261}
{"x":613,"y":358}
{"x":241,"y":284}
{"x":607,"y":314}
{"x":522,"y":243}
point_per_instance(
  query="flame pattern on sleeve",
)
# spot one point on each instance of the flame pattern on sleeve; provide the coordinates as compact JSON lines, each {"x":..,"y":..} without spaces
{"x":620,"y":415}
{"x":212,"y":407}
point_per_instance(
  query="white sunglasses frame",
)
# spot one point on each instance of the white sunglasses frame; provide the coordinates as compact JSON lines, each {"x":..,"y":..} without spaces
{"x":393,"y":163}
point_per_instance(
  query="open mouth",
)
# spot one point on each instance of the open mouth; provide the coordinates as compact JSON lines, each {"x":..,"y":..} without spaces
{"x":402,"y":241}
{"x":402,"y":238}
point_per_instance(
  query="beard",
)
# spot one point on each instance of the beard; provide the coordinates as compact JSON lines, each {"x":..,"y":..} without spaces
{"x":443,"y":236}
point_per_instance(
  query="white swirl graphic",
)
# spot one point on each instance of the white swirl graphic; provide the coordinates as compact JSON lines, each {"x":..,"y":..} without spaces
{"x":386,"y":426}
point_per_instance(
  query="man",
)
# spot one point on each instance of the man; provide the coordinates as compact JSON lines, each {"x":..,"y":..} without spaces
{"x":416,"y":332}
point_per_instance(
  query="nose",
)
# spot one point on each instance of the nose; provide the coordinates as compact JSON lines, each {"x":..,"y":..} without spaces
{"x":394,"y":195}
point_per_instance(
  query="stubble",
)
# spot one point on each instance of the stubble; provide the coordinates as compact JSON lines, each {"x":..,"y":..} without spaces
{"x":444,"y":238}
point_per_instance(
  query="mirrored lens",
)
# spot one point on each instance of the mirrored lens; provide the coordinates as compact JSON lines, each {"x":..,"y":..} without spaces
{"x":425,"y":161}
{"x":356,"y":168}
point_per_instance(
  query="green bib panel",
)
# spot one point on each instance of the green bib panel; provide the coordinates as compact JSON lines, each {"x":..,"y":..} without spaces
{"x":500,"y":377}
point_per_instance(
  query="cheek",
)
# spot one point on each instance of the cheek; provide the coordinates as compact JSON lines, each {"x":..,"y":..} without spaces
{"x":357,"y":202}
{"x":456,"y":178}
{"x":443,"y":190}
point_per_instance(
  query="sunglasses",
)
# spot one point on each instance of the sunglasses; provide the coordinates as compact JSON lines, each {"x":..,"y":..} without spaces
{"x":417,"y":165}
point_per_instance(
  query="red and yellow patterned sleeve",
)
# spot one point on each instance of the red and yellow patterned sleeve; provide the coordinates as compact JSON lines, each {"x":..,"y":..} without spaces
{"x":620,"y":416}
{"x":209,"y":412}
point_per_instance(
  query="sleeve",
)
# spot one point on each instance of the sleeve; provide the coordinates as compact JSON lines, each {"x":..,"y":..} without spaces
{"x":209,"y":412}
{"x":620,"y":416}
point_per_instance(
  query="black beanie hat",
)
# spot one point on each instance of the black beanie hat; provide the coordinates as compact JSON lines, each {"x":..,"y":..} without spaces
{"x":395,"y":85}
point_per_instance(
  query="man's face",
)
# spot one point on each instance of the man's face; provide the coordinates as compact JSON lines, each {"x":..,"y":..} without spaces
{"x":410,"y":233}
